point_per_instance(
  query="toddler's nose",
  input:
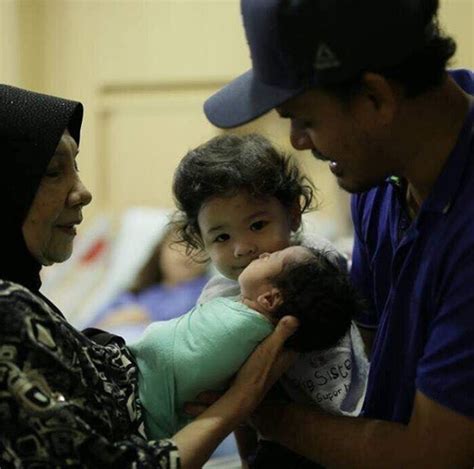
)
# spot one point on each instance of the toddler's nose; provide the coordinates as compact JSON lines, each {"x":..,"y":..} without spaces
{"x":245,"y":249}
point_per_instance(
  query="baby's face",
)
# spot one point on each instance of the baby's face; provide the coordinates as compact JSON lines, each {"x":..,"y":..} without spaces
{"x":257,"y":277}
{"x":237,"y":229}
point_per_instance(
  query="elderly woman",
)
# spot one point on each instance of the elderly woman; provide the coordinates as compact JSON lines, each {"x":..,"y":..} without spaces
{"x":65,"y":399}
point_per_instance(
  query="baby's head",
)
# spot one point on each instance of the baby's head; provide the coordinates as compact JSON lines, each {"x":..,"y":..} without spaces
{"x":304,"y":283}
{"x":239,"y":197}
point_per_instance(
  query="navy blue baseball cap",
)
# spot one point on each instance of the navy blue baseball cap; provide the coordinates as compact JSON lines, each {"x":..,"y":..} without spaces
{"x":299,"y":44}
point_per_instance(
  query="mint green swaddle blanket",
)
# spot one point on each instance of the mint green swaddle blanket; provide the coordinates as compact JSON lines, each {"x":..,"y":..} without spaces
{"x":197,"y":352}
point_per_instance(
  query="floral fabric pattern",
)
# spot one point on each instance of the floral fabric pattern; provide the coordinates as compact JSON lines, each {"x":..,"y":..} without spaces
{"x":66,"y":401}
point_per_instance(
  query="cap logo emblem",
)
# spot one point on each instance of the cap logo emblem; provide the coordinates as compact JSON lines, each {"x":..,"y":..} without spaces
{"x":325,"y":58}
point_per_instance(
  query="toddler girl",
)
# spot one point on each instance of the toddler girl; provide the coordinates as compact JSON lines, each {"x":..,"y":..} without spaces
{"x":239,"y":197}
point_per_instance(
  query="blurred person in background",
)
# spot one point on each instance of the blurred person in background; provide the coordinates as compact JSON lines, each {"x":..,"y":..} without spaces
{"x":167,"y":286}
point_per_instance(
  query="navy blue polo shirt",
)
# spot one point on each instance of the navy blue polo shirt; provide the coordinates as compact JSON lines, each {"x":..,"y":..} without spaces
{"x":419,"y":278}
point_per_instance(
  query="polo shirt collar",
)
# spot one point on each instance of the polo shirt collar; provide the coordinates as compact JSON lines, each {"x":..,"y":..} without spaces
{"x":449,"y":181}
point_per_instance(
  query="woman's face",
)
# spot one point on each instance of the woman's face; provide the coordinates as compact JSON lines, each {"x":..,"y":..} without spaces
{"x":50,"y":225}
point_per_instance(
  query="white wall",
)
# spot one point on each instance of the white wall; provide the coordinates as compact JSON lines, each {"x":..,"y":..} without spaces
{"x":10,"y":42}
{"x":142,"y":68}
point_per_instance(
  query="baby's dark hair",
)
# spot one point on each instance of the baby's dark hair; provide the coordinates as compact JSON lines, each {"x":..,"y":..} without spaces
{"x":226,"y":165}
{"x":320,"y":295}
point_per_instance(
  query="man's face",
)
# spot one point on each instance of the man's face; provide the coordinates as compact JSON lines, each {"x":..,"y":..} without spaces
{"x":348,"y":135}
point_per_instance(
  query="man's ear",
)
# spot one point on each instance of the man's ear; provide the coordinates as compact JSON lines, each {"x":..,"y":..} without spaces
{"x":381,"y":98}
{"x":270,"y":300}
{"x":295,"y":216}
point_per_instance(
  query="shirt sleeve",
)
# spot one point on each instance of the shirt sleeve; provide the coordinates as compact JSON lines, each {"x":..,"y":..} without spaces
{"x":45,"y":417}
{"x":446,"y":372}
{"x":360,"y":271}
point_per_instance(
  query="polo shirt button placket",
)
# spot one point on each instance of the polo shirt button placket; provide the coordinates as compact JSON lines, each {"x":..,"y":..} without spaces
{"x":403,"y":226}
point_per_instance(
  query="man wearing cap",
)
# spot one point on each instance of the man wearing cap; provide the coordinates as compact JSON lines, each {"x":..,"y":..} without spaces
{"x":365,"y":86}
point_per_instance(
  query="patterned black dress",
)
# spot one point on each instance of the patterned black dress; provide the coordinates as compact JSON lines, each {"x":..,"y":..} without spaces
{"x":66,"y":401}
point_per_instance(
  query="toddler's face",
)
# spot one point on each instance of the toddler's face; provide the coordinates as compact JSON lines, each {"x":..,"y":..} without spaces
{"x":237,"y":229}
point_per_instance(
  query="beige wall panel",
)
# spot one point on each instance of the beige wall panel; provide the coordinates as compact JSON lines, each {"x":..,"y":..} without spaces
{"x":10,"y":42}
{"x":457,"y":19}
{"x":126,"y":41}
{"x":32,"y":14}
{"x":172,"y":40}
{"x":103,"y":52}
{"x":144,"y":138}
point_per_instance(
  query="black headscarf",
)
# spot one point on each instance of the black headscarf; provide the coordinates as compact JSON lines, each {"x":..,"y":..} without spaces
{"x":31,"y":126}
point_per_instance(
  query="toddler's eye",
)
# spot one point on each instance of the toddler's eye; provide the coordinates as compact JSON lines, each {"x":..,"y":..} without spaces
{"x":221,"y":238}
{"x":258,"y":225}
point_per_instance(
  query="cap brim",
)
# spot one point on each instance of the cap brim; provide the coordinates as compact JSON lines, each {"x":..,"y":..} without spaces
{"x":243,"y":100}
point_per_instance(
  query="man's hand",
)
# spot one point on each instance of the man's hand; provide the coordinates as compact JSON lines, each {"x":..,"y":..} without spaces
{"x":435,"y":437}
{"x":268,"y":362}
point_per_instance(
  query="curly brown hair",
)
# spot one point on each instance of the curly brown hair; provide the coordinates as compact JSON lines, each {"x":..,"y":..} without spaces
{"x":228,"y":164}
{"x":319,"y":293}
